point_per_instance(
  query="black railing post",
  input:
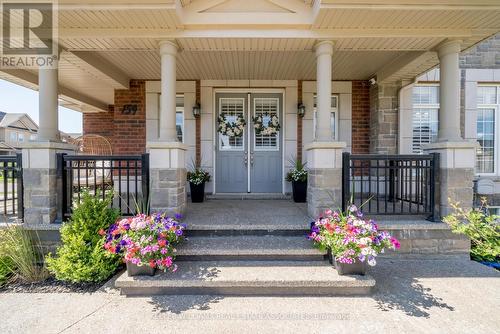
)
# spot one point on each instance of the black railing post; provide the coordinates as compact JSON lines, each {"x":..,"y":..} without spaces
{"x":434,"y":188}
{"x":145,"y":179}
{"x":392,"y":180}
{"x":346,"y":173}
{"x":20,"y":190}
{"x":61,"y":173}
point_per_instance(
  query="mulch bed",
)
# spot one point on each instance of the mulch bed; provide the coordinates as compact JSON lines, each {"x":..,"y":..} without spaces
{"x":50,"y":285}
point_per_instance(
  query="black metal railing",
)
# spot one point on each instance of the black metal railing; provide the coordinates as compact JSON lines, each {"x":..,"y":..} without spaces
{"x":126,"y":176}
{"x":391,"y":184}
{"x":11,"y":178}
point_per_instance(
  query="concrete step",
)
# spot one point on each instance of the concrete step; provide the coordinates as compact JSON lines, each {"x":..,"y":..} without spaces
{"x":248,"y":248}
{"x":261,"y":278}
{"x":249,"y":196}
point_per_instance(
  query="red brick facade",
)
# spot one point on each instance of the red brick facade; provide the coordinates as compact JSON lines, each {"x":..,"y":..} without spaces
{"x":299,"y":122}
{"x":99,"y":124}
{"x":360,"y":117}
{"x":125,"y":131}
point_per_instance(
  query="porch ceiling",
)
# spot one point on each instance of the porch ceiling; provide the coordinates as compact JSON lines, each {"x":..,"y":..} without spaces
{"x":108,"y":43}
{"x":253,"y":65}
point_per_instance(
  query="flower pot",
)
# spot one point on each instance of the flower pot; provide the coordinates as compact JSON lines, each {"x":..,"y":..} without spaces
{"x":299,"y":189}
{"x":197,"y":192}
{"x":135,"y":270}
{"x":356,"y":268}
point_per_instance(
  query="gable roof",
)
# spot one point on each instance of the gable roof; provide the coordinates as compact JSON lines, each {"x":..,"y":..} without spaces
{"x":17,"y":120}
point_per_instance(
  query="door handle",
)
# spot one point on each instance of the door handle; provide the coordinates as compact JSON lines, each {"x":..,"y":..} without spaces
{"x":251,"y":158}
{"x":245,"y":159}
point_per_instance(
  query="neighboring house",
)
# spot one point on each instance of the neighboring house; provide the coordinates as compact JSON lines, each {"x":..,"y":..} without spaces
{"x":480,"y":111}
{"x":15,"y":130}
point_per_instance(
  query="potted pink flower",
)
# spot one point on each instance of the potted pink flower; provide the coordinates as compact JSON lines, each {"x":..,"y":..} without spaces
{"x":351,"y":241}
{"x":147,"y":243}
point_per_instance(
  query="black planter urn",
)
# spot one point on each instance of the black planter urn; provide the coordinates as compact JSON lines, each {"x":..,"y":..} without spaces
{"x":135,"y":270}
{"x":299,"y":189}
{"x":197,"y":192}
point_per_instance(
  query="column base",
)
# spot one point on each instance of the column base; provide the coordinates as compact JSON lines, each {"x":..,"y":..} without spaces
{"x":456,"y":174}
{"x":324,"y":186}
{"x":167,"y":177}
{"x":41,"y":186}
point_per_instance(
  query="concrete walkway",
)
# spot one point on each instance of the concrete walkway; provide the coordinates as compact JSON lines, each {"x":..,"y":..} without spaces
{"x":412,"y":296}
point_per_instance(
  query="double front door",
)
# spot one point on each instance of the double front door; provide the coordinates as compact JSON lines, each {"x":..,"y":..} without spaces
{"x":250,"y":160}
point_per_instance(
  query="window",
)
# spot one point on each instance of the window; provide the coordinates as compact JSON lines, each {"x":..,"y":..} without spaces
{"x":425,"y":116}
{"x":231,"y":108}
{"x":20,"y":137}
{"x":179,"y":117}
{"x":333,"y":116}
{"x":266,"y":108}
{"x":32,"y":137}
{"x":13,"y":137}
{"x":487,"y":111}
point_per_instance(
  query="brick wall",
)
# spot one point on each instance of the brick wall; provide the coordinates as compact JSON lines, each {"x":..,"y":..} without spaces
{"x":198,"y":125}
{"x":99,"y":123}
{"x":360,"y":117}
{"x":126,"y":132}
{"x":299,"y":122}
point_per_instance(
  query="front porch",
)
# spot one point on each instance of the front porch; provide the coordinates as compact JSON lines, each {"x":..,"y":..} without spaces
{"x":258,"y":247}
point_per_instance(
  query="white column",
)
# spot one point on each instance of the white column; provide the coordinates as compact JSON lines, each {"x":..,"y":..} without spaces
{"x":168,"y":52}
{"x":48,"y":129}
{"x":449,"y":112}
{"x":324,"y":51}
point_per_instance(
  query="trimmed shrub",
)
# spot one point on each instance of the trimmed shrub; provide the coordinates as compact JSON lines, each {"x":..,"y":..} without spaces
{"x":82,"y":257}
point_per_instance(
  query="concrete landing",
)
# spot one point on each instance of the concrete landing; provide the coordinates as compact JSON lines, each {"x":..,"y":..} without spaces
{"x":260,"y":278}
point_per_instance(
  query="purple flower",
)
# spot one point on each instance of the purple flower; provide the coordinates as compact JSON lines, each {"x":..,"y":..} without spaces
{"x":178,"y":216}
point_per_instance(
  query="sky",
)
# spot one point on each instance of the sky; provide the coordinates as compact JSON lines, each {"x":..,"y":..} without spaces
{"x":18,"y":99}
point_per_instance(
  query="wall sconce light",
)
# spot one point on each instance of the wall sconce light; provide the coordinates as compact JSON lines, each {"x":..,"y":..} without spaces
{"x":301,"y":109}
{"x":197,"y":110}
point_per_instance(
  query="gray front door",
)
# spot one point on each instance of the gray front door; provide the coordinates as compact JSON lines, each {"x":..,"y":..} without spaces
{"x":252,"y":162}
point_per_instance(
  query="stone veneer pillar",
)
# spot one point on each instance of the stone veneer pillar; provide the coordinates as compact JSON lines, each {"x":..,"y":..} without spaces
{"x":167,"y":157}
{"x":324,"y":185}
{"x":167,"y":173}
{"x":41,"y":188}
{"x":42,"y":197}
{"x":457,"y":157}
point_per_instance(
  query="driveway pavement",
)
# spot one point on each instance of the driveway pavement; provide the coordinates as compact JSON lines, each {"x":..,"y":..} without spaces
{"x":412,"y":296}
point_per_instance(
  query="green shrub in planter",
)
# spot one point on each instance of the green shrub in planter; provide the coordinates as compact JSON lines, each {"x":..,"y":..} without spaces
{"x":82,"y":257}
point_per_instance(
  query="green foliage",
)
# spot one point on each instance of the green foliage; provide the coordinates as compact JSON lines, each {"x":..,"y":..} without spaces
{"x":6,"y":269}
{"x":197,"y":175}
{"x":20,"y":256}
{"x":82,"y":257}
{"x":298,"y":173}
{"x":482,"y":228}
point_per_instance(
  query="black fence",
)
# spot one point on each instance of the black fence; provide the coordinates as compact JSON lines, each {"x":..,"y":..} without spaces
{"x":11,"y":178}
{"x":391,"y":184}
{"x":127,"y":177}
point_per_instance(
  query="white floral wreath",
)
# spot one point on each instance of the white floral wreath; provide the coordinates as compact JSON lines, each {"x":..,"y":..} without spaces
{"x":272,"y":127}
{"x":231,"y":129}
